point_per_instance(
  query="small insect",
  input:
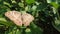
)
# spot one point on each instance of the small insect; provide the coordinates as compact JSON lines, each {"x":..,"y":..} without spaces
{"x":19,"y":18}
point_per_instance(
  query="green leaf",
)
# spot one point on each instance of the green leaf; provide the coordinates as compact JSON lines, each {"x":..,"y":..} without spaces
{"x":42,"y":6}
{"x":21,"y":4}
{"x":49,"y":1}
{"x":6,"y":3}
{"x":34,"y":8}
{"x":56,"y":25}
{"x":30,"y":1}
{"x":5,"y":22}
{"x":34,"y":29}
{"x":18,"y":31}
{"x":13,"y":30}
{"x":3,"y":19}
{"x":54,"y":4}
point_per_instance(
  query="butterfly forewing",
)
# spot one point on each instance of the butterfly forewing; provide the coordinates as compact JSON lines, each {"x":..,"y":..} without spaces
{"x":15,"y":16}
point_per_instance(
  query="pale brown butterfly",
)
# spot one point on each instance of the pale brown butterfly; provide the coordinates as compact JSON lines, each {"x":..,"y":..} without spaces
{"x":19,"y":18}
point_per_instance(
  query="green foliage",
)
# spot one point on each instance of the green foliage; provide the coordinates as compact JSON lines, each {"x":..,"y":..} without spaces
{"x":30,"y":1}
{"x":45,"y":11}
{"x":55,"y":4}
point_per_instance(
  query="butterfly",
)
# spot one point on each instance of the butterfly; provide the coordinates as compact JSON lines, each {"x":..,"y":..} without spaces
{"x":19,"y":18}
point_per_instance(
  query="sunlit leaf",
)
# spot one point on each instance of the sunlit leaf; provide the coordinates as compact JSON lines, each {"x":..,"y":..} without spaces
{"x":3,"y":19}
{"x":21,"y":4}
{"x":34,"y":8}
{"x":30,"y":1}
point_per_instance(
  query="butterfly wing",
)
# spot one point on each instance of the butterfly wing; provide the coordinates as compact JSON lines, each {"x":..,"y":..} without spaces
{"x":15,"y":16}
{"x":27,"y":19}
